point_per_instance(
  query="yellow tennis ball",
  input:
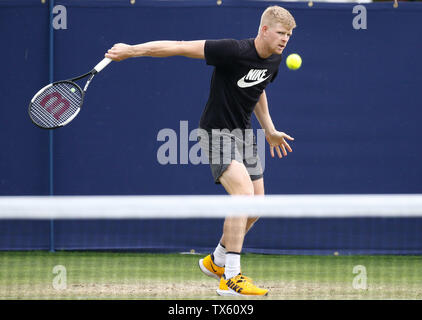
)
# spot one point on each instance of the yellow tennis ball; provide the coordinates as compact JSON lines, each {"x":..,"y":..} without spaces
{"x":294,"y":61}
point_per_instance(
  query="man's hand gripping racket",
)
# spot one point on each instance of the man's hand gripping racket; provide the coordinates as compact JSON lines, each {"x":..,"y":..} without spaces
{"x":58,"y":103}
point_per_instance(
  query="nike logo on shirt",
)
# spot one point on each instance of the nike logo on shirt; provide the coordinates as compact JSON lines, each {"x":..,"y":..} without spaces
{"x":253,"y":77}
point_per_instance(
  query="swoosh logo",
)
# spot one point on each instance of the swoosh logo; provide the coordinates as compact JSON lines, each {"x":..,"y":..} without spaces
{"x":243,"y":84}
{"x":213,"y":268}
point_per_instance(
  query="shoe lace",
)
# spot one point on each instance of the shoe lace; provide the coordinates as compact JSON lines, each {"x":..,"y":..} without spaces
{"x":245,"y":277}
{"x":246,"y":281}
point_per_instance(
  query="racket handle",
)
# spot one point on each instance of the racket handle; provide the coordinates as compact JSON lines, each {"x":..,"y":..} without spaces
{"x":102,"y":64}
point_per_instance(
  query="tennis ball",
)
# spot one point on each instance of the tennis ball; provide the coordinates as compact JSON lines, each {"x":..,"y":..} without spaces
{"x":73,"y":90}
{"x":294,"y":61}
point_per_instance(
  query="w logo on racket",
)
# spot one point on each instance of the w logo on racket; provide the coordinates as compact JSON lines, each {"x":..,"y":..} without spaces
{"x":59,"y":101}
{"x":56,"y":104}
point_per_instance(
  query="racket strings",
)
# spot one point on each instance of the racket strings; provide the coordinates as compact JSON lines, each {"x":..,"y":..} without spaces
{"x":56,"y":104}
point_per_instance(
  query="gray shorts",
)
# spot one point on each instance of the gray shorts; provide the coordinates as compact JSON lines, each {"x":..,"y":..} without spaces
{"x":223,"y":146}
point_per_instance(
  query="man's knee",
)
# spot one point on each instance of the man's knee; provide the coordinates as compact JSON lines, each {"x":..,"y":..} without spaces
{"x":244,"y":189}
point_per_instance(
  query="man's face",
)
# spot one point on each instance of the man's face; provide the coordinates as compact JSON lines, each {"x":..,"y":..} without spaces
{"x":276,"y":37}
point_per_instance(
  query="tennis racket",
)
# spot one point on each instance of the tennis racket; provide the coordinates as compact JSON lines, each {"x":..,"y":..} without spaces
{"x":58,"y":103}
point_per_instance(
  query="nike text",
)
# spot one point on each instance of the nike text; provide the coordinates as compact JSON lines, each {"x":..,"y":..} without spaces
{"x":253,"y":77}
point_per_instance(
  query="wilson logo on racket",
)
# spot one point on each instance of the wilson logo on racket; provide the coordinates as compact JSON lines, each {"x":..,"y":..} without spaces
{"x":58,"y":103}
{"x":59,"y":100}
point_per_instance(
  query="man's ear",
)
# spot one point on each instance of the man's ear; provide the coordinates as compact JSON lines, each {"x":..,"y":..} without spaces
{"x":264,"y":30}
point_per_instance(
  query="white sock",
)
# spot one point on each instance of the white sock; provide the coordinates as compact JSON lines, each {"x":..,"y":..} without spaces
{"x":220,"y":255}
{"x":232,"y":268}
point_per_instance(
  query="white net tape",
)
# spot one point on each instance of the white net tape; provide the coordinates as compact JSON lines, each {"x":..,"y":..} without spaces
{"x":287,"y":206}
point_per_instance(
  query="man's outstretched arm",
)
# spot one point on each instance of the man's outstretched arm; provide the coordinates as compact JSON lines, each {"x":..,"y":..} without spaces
{"x":190,"y":49}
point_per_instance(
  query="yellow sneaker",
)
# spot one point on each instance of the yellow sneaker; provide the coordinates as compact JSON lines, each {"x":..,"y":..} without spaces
{"x":208,"y":267}
{"x":239,"y":286}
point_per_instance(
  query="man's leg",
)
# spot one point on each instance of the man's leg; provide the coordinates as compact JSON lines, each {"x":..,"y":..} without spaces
{"x":236,"y":181}
{"x":258,"y":187}
{"x":219,"y":254}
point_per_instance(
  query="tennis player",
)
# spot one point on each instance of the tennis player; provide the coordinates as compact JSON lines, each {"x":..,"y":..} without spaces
{"x":242,"y":70}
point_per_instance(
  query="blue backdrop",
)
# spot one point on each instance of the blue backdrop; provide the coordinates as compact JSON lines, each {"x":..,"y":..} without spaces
{"x":353,"y":108}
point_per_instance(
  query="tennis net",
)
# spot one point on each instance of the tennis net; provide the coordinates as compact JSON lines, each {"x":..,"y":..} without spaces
{"x":149,"y":247}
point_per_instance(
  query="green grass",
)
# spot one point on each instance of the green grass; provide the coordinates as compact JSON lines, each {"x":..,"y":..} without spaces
{"x":106,"y":275}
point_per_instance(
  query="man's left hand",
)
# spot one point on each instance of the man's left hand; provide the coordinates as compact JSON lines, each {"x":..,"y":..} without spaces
{"x":277,"y":141}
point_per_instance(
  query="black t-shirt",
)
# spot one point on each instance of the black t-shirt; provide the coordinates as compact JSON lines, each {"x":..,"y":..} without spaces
{"x":239,"y":78}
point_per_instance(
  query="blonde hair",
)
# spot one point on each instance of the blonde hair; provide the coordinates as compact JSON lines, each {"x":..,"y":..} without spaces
{"x":276,"y":14}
